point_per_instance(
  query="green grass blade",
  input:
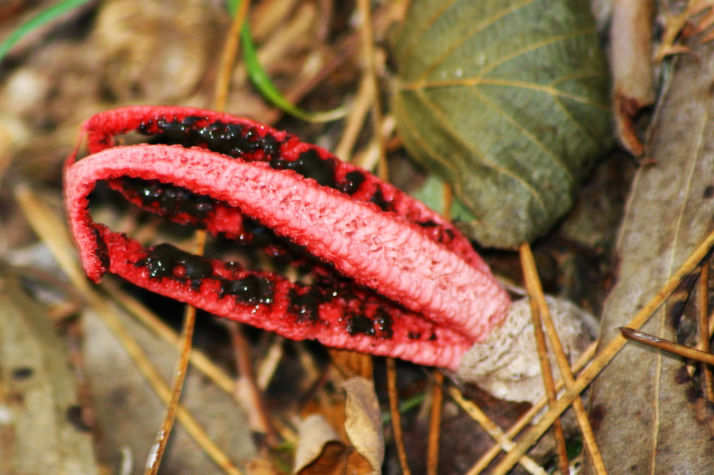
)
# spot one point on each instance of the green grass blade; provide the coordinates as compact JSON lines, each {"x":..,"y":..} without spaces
{"x":260,"y":78}
{"x":40,"y":19}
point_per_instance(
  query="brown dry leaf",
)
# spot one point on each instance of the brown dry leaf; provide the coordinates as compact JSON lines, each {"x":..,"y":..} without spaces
{"x":363,"y":424}
{"x":639,"y":402}
{"x":129,"y":412}
{"x":631,"y":63}
{"x":319,"y":448}
{"x":41,"y":429}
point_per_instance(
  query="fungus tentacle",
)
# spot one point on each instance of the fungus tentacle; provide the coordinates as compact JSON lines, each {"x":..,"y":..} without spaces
{"x":406,"y":283}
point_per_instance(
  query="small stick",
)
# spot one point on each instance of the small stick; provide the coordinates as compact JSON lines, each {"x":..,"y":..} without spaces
{"x":228,"y":55}
{"x":604,"y":357}
{"x":437,"y":391}
{"x":492,"y":429}
{"x":668,"y":346}
{"x":526,"y":418}
{"x":270,"y":363}
{"x":703,"y":305}
{"x":355,"y":119}
{"x":534,"y":285}
{"x":437,"y":398}
{"x":368,"y":51}
{"x":524,"y":251}
{"x":396,"y":416}
{"x":245,"y":372}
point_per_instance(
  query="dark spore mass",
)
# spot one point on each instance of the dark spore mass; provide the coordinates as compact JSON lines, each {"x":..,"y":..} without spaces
{"x":256,"y":235}
{"x":270,"y":145}
{"x":218,"y":136}
{"x":171,"y":200}
{"x":196,"y":269}
{"x":162,"y":261}
{"x":101,"y":252}
{"x":353,"y":180}
{"x":305,"y":306}
{"x":379,"y":199}
{"x":310,"y":165}
{"x":359,"y":324}
{"x":250,"y":289}
{"x":384,"y":323}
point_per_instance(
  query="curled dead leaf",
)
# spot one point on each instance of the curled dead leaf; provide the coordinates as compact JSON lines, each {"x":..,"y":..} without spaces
{"x":319,"y":448}
{"x":363,"y":421}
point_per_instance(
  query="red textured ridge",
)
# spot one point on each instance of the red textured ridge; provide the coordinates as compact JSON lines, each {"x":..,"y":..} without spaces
{"x":436,"y":296}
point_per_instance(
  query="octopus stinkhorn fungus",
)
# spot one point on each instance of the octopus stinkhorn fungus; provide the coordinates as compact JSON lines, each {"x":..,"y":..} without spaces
{"x":391,"y":277}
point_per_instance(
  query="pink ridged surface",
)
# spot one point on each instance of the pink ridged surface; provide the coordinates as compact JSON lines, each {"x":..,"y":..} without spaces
{"x":446,"y":294}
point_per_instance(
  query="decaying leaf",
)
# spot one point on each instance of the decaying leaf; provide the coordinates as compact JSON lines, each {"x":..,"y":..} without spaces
{"x":631,"y":60}
{"x":363,"y":421}
{"x":41,"y":428}
{"x":641,"y":401}
{"x":507,"y":101}
{"x":318,"y":445}
{"x":129,"y":412}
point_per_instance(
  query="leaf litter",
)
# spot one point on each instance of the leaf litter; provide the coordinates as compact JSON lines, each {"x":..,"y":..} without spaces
{"x":568,"y":259}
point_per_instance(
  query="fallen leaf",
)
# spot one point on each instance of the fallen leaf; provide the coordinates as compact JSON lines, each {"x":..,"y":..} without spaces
{"x":508,"y":103}
{"x":319,"y":448}
{"x":129,"y":413}
{"x":631,"y":62}
{"x":41,"y":425}
{"x":640,"y":402}
{"x":363,"y":422}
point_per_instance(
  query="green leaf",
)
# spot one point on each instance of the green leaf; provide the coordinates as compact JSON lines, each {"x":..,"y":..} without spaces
{"x":431,"y":193}
{"x":261,"y":80}
{"x":40,"y":19}
{"x":507,"y":101}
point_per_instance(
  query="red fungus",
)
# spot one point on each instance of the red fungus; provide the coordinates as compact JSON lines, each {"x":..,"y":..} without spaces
{"x":391,"y":277}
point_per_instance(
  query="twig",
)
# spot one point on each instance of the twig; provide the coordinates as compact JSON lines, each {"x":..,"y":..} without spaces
{"x":703,"y":345}
{"x":228,"y":56}
{"x":270,"y":363}
{"x":529,"y":269}
{"x":666,"y":345}
{"x":245,"y":370}
{"x":437,"y":392}
{"x":535,"y":290}
{"x":355,"y":119}
{"x":492,"y":429}
{"x":604,"y":357}
{"x":437,"y":398}
{"x":368,"y":50}
{"x":526,"y":418}
{"x":396,"y":416}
